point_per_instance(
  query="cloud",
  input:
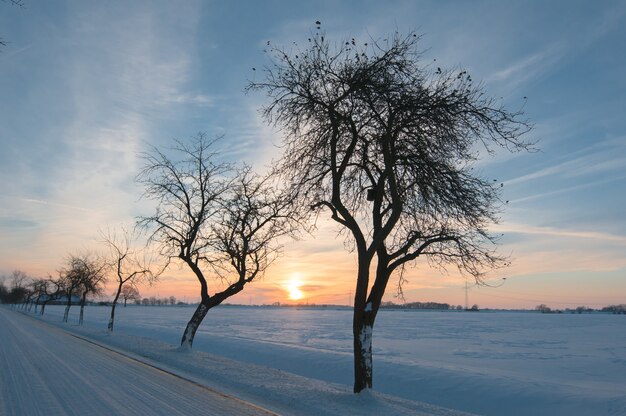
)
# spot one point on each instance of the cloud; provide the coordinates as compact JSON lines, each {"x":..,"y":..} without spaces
{"x":13,"y":223}
{"x":569,"y":189}
{"x":191,"y":98}
{"x":555,"y":232}
{"x":603,"y":157}
{"x":529,"y":67}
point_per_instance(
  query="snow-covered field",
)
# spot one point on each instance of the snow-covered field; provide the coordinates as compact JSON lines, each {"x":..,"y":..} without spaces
{"x":491,"y":363}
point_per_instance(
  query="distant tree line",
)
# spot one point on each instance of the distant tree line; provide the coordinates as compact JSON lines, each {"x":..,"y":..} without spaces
{"x":615,"y":309}
{"x":420,"y":305}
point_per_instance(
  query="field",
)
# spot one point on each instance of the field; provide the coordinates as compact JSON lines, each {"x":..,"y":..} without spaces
{"x":491,"y":363}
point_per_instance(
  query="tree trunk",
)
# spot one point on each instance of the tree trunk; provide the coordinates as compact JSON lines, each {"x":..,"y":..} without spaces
{"x":67,"y":307}
{"x":43,"y":308}
{"x":365,"y":312}
{"x":194,"y":323}
{"x":362,"y":330}
{"x":112,"y":317}
{"x":363,"y":365}
{"x":82,"y":308}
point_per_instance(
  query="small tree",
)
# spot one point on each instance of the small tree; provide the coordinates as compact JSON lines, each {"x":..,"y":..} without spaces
{"x":69,"y":282}
{"x":130,"y":292}
{"x":85,"y":274}
{"x":128,"y":265}
{"x":50,"y":290}
{"x":211,"y":222}
{"x":543,"y":308}
{"x":386,"y":146}
{"x":19,"y":292}
{"x":4,"y":293}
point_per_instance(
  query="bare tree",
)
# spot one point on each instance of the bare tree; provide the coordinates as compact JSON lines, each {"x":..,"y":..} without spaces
{"x":85,"y":274}
{"x":49,"y":290}
{"x":93,"y":277}
{"x":130,"y":265}
{"x":4,"y":292}
{"x":19,"y":292}
{"x":210,"y":222}
{"x":69,"y":282}
{"x":386,"y":145}
{"x":130,"y":292}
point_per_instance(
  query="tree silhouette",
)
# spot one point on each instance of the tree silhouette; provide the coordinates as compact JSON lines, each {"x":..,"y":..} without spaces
{"x":212,"y":222}
{"x":128,"y":264}
{"x":130,"y":292}
{"x":83,"y":275}
{"x":386,"y":146}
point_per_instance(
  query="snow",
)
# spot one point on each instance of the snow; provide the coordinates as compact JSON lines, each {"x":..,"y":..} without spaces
{"x":45,"y":371}
{"x":299,"y":361}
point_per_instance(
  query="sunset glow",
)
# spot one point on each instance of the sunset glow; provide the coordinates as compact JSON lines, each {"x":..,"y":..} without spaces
{"x":71,"y":171}
{"x":293,"y":287}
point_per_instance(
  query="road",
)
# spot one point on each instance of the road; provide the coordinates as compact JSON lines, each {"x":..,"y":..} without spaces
{"x":46,"y":371}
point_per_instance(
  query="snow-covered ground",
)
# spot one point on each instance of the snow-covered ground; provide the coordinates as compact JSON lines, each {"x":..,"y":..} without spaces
{"x":46,"y":371}
{"x":486,"y":363}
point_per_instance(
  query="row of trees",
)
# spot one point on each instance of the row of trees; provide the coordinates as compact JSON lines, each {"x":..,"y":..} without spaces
{"x":380,"y":142}
{"x":614,"y":309}
{"x":84,"y":275}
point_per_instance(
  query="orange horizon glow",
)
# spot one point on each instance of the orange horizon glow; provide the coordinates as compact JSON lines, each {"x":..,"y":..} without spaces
{"x":320,"y":271}
{"x":293,"y":287}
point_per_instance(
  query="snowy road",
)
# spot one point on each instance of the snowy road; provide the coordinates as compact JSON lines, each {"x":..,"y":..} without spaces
{"x":46,"y":371}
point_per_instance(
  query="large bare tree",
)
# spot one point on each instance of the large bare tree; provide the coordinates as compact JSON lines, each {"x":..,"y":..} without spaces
{"x":130,"y":265}
{"x":220,"y":222}
{"x":386,"y":146}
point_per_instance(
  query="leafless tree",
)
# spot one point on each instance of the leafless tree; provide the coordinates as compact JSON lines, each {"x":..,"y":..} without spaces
{"x":19,"y":291}
{"x":210,"y":222}
{"x":49,"y":289}
{"x":69,"y":282}
{"x":386,"y":146}
{"x":130,"y":292}
{"x":84,"y":274}
{"x":4,"y":292}
{"x":130,"y":265}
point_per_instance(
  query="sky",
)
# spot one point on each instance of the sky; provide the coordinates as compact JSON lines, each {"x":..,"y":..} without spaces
{"x":87,"y":85}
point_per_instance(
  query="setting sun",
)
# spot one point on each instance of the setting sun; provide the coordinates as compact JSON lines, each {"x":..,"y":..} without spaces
{"x":293,"y":286}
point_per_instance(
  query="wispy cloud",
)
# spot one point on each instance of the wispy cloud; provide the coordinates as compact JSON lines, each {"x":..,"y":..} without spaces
{"x":530,"y":66}
{"x":556,"y":232}
{"x":599,"y":158}
{"x":190,"y":98}
{"x":568,"y":189}
{"x":55,"y":204}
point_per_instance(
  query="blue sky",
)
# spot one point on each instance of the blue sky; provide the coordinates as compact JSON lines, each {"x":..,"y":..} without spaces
{"x":85,"y":85}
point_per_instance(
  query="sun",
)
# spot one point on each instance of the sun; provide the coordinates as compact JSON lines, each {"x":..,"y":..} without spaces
{"x":295,"y":294}
{"x":293,"y":286}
